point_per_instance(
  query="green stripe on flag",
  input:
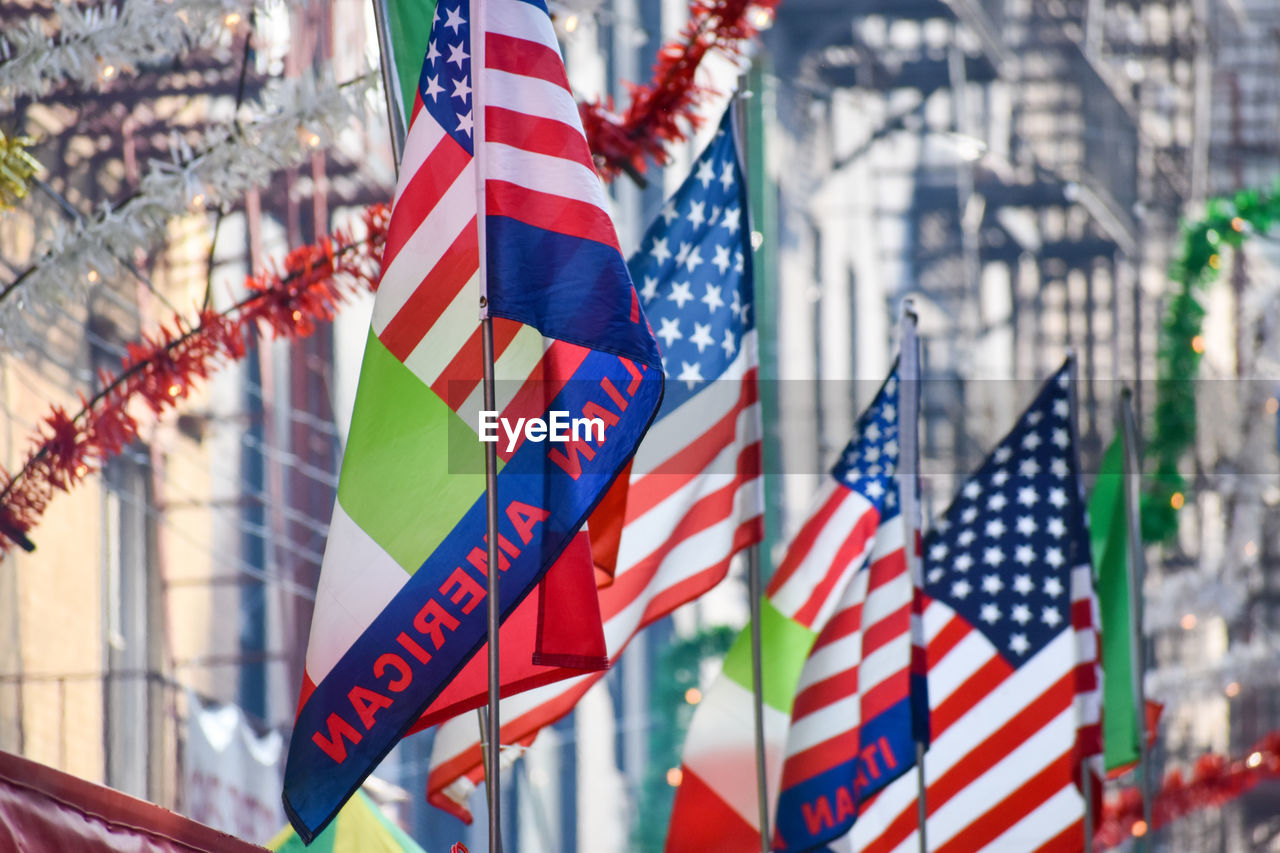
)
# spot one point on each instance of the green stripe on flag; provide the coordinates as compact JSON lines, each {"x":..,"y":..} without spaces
{"x":1109,"y":532}
{"x":396,"y":481}
{"x":785,"y":644}
{"x":410,"y":25}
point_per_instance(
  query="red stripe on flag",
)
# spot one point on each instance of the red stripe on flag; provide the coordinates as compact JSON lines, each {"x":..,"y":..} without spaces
{"x":537,"y":134}
{"x":985,"y":679}
{"x":1070,"y":840}
{"x":886,"y":694}
{"x":947,"y":638}
{"x":889,"y":628}
{"x":830,"y":690}
{"x":749,"y":533}
{"x":559,"y":214}
{"x":430,"y":298}
{"x":465,"y":370}
{"x":839,"y":626}
{"x":993,"y":823}
{"x":854,"y":544}
{"x":820,"y":757}
{"x":706,"y":822}
{"x":524,"y":57}
{"x":803,"y":543}
{"x":434,"y":177}
{"x":707,"y":512}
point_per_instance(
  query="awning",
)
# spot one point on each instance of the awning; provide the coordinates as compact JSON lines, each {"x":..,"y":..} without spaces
{"x":44,"y":809}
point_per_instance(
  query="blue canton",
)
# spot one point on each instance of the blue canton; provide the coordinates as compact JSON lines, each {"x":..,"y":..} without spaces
{"x":870,"y":459}
{"x":1002,"y":554}
{"x":694,"y":272}
{"x":445,"y":83}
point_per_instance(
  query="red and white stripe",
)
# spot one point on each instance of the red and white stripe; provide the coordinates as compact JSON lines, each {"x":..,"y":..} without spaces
{"x":1002,"y":769}
{"x":695,"y":500}
{"x":857,"y":666}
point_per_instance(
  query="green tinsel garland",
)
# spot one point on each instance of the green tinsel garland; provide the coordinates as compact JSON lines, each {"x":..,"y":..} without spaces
{"x":1227,"y":222}
{"x":677,"y":671}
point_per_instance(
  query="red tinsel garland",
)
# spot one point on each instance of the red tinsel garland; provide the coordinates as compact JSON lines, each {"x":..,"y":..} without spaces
{"x":161,"y":368}
{"x":660,"y":112}
{"x":1214,"y":781}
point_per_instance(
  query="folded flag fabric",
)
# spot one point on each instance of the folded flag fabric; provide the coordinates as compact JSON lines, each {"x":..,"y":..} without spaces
{"x":694,"y":498}
{"x":512,"y":222}
{"x":827,"y":572}
{"x":1012,"y":653}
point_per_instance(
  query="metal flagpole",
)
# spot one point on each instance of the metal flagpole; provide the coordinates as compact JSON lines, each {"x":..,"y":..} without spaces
{"x":390,"y":83}
{"x":755,"y":585}
{"x":493,"y":782}
{"x":1086,"y":789}
{"x":908,"y":503}
{"x":754,"y":590}
{"x":1137,"y":571}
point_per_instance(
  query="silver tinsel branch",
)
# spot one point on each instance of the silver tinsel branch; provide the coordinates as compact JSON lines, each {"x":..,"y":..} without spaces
{"x":94,"y":44}
{"x":294,"y":118}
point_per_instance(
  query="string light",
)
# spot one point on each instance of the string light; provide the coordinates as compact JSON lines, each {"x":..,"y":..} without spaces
{"x":231,"y":20}
{"x":1139,"y":828}
{"x":1255,"y":759}
{"x":675,"y":776}
{"x":693,"y":696}
{"x":1233,"y":690}
{"x":1177,"y":500}
{"x":1272,"y":405}
{"x":1197,"y":344}
{"x":1188,"y":622}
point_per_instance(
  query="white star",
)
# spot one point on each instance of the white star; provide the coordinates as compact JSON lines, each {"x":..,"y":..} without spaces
{"x":889,"y":413}
{"x":938,"y":551}
{"x":697,"y":212}
{"x":1050,"y":616}
{"x":433,"y":87}
{"x":1027,"y":525}
{"x":963,"y":563}
{"x":1029,"y":468}
{"x":649,"y":290}
{"x":1056,"y":528}
{"x":722,"y":261}
{"x":680,"y":293}
{"x":712,"y":298}
{"x":1035,"y":417}
{"x":1058,"y":497}
{"x":873,"y":489}
{"x":1018,"y":644}
{"x":670,"y":331}
{"x":706,"y":173}
{"x":1025,"y":555}
{"x":1002,"y":455}
{"x":1061,"y":408}
{"x":1058,"y":468}
{"x":872,"y":453}
{"x":1027,"y":496}
{"x":659,"y":250}
{"x":729,"y":344}
{"x":1031,"y":441}
{"x":726,"y":176}
{"x":1053,"y":556}
{"x":961,"y":588}
{"x":701,"y":337}
{"x":891,"y":448}
{"x":990,"y":614}
{"x":935,"y":575}
{"x":1021,"y":614}
{"x":997,"y":502}
{"x":669,"y":212}
{"x":693,"y":260}
{"x":457,"y":54}
{"x":732,"y":220}
{"x":972,"y":489}
{"x":738,"y":267}
{"x":891,"y":499}
{"x":995,"y":528}
{"x":1022,"y":584}
{"x":966,"y":538}
{"x":736,"y":305}
{"x":991,"y":584}
{"x":1052,"y":587}
{"x":690,"y":374}
{"x":1061,"y":438}
{"x":683,"y":253}
{"x":433,"y":52}
{"x":993,"y":556}
{"x":999,"y":478}
{"x":969,"y":514}
{"x":455,"y":19}
{"x":464,"y":123}
{"x":872,"y":431}
{"x":461,"y":88}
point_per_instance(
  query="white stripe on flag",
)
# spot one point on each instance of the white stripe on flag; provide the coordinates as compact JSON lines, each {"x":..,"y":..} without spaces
{"x":544,"y":173}
{"x":520,"y":20}
{"x":448,"y":334}
{"x":424,"y":135}
{"x":531,"y":96}
{"x":820,"y":561}
{"x":348,"y":601}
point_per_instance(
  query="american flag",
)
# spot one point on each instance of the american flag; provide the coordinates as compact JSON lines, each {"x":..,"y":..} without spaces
{"x":1012,"y":653}
{"x":856,"y":715}
{"x":695,"y":493}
